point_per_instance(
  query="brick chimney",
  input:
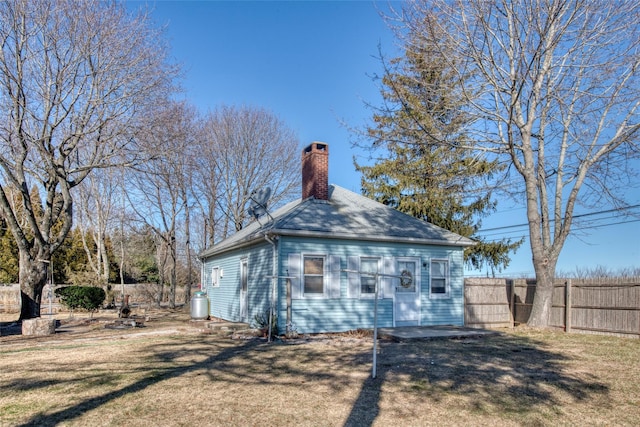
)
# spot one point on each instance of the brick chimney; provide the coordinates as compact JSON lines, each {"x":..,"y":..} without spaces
{"x":315,"y":171}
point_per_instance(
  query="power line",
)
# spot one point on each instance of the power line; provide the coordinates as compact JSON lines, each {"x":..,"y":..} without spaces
{"x":506,"y":227}
{"x":525,"y":235}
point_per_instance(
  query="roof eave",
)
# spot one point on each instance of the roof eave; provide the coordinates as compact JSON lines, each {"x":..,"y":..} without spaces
{"x":374,"y":238}
{"x":464,"y":242}
{"x":208,"y":253}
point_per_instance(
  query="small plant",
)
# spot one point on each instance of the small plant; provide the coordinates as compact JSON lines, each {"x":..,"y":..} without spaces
{"x":292,"y":331}
{"x":85,"y":297}
{"x":261,"y":321}
{"x":359,"y":333}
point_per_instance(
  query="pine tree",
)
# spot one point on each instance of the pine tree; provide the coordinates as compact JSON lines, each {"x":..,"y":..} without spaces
{"x":423,"y":170}
{"x":8,"y":255}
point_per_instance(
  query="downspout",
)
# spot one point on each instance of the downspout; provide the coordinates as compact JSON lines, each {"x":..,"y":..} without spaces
{"x":202,"y":281}
{"x":274,"y":281}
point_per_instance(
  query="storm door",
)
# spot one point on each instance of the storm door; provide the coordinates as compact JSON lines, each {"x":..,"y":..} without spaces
{"x":406,"y":304}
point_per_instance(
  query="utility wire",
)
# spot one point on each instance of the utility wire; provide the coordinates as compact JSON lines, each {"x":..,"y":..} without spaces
{"x":506,"y":227}
{"x":525,"y":235}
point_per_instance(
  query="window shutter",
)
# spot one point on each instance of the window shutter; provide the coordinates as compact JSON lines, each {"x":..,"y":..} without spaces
{"x":388,"y":283}
{"x":353,"y":264}
{"x":296,"y":276}
{"x":334,"y":277}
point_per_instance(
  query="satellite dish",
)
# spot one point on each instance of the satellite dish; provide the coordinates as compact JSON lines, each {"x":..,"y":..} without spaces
{"x":259,"y":199}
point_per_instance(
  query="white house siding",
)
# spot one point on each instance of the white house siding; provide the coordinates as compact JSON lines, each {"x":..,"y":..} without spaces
{"x":313,"y":315}
{"x":224,"y":300}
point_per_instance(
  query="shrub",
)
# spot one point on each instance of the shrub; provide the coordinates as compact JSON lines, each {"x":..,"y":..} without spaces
{"x":86,"y":297}
{"x":261,"y":321}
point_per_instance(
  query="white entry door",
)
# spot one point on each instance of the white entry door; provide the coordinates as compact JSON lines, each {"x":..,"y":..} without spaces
{"x":244,"y":288}
{"x":406,"y":304}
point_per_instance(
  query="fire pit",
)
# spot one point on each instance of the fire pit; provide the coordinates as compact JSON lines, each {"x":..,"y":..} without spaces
{"x":132,"y":322}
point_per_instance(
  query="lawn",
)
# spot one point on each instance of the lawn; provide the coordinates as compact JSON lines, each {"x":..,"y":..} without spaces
{"x":186,"y":378}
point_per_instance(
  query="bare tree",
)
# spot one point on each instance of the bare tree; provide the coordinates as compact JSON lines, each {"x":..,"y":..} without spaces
{"x":204,"y":186}
{"x":248,"y":148}
{"x":97,"y":203}
{"x":159,"y":189}
{"x":556,"y":86}
{"x":75,"y":79}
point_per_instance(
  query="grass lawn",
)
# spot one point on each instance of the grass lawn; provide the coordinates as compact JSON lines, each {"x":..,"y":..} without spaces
{"x":187,"y":378}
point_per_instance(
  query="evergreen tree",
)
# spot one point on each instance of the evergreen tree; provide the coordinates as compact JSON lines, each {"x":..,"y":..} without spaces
{"x":423,"y":170}
{"x":140,"y":263}
{"x":8,"y":255}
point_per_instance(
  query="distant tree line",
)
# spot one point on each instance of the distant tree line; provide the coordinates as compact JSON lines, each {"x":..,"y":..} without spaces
{"x":147,"y":223}
{"x":71,"y":262}
{"x":104,"y":174}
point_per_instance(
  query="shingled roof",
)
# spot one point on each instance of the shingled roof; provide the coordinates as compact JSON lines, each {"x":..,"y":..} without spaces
{"x":345,"y":215}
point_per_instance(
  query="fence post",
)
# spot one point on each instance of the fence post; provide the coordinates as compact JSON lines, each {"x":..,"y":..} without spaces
{"x":567,"y":306}
{"x":512,"y":300}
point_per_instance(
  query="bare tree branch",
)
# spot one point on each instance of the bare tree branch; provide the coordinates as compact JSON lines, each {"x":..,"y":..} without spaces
{"x":75,"y":81}
{"x":555,"y":86}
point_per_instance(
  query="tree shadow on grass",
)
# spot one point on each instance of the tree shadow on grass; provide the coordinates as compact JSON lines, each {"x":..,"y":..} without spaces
{"x":250,"y":362}
{"x":511,"y":373}
{"x":10,"y":328}
{"x":515,"y":374}
{"x":153,"y":376}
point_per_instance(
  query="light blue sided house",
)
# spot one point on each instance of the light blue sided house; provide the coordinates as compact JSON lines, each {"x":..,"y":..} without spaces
{"x":307,"y":258}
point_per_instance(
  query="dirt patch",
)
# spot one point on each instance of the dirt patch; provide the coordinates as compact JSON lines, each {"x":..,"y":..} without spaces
{"x":104,"y":325}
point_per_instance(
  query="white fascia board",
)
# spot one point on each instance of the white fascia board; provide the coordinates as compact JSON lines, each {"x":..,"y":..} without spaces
{"x":464,"y":242}
{"x":374,"y":238}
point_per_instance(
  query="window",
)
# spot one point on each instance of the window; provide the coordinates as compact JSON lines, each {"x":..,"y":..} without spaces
{"x":215,"y":277}
{"x":368,"y":282}
{"x":313,"y":273}
{"x":407,"y":272}
{"x":439,"y":279}
{"x":244,"y":275}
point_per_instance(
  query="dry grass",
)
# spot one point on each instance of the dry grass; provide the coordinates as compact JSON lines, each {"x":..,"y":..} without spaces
{"x":169,"y":374}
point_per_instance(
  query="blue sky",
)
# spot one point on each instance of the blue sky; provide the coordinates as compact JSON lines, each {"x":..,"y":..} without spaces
{"x":310,"y":63}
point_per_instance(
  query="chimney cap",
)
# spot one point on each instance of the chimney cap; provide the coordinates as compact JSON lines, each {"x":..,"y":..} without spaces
{"x":316,"y":146}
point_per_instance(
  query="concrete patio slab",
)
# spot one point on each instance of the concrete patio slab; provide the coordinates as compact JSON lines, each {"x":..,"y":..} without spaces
{"x":433,"y":332}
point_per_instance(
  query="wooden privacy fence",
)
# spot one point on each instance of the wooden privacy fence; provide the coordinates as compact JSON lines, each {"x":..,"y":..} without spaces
{"x":610,"y":306}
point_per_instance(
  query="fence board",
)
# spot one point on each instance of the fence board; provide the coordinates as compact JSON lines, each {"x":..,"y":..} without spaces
{"x":597,"y":306}
{"x":487,"y":303}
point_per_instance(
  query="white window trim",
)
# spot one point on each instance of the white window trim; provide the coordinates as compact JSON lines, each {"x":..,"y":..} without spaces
{"x":325,"y":276}
{"x":215,"y":277}
{"x":379,"y":284}
{"x":447,"y":280}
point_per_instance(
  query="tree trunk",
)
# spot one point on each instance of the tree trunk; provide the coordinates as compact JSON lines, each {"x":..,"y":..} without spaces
{"x":104,"y":257}
{"x":541,"y":310}
{"x":187,"y":289}
{"x":162,"y":263}
{"x":173,"y":278}
{"x":33,"y":278}
{"x":160,"y":293}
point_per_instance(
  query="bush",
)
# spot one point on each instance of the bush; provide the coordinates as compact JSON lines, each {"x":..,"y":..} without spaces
{"x":86,"y":297}
{"x":261,"y":321}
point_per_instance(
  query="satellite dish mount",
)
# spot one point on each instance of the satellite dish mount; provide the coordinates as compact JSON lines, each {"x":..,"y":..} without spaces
{"x":258,"y":206}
